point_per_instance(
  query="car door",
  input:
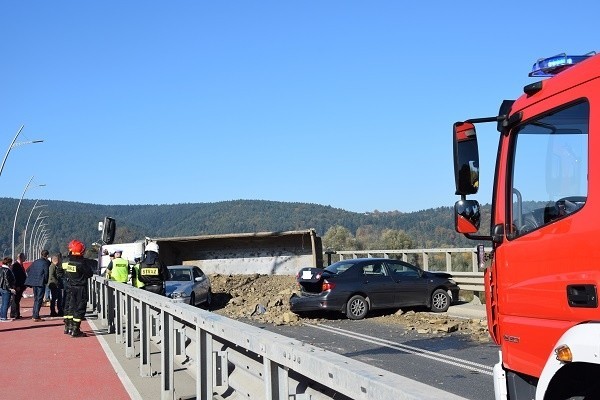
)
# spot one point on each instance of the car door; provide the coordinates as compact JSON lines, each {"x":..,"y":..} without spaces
{"x":200,"y":286}
{"x":410,"y":287}
{"x":377,"y":284}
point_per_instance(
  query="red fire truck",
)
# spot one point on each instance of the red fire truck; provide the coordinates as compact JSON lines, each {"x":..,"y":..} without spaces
{"x":544,"y":270}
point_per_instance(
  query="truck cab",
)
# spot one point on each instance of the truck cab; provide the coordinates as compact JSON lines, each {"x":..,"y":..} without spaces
{"x":541,"y":284}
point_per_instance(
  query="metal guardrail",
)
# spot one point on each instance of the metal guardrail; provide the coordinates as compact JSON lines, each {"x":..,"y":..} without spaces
{"x":469,"y":278}
{"x":229,"y":359}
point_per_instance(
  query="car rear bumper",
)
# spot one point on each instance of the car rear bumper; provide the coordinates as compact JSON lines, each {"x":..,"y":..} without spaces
{"x":299,"y":303}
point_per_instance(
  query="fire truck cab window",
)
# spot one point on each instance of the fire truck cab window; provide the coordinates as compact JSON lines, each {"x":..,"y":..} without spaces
{"x":549,"y":168}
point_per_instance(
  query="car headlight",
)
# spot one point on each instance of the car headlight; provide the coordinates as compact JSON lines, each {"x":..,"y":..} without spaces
{"x":452,"y":281}
{"x":177,"y":295}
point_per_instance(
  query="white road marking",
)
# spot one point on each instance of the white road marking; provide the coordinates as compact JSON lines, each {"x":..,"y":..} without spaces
{"x":459,"y":362}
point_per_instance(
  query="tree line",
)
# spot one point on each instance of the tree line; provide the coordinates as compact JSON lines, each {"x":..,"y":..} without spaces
{"x":340,"y":229}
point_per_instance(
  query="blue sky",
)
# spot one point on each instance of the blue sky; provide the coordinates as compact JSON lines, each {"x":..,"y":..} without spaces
{"x":341,"y":103}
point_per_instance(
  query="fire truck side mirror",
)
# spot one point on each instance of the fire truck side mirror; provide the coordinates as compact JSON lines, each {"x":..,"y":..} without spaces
{"x":466,"y":158}
{"x":467,"y":216}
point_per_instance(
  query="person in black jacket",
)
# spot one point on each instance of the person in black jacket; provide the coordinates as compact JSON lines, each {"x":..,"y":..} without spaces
{"x":37,"y":278}
{"x":7,"y":287}
{"x":77,"y":270}
{"x":56,"y":287}
{"x":18,"y":271}
{"x":152,"y":272}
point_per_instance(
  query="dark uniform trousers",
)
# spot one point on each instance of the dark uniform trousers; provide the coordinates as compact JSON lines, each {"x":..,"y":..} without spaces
{"x":67,"y":298}
{"x":77,"y":302}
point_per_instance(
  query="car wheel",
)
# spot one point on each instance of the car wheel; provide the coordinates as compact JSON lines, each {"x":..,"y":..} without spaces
{"x":440,"y":301}
{"x":193,"y":299}
{"x":357,"y":307}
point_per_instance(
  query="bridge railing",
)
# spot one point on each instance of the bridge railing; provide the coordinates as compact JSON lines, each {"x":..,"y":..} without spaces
{"x":460,"y":262}
{"x":227,"y":358}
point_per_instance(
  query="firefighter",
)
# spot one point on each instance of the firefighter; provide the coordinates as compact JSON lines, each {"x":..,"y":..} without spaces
{"x":118,"y":268}
{"x":153,"y":273}
{"x":77,"y":271}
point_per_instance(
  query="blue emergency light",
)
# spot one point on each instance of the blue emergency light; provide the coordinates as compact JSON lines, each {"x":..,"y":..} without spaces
{"x":545,"y":67}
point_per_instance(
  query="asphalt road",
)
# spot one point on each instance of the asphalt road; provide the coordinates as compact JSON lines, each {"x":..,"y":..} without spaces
{"x":454,"y":363}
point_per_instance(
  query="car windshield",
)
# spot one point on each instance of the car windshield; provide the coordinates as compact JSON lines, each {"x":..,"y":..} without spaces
{"x":339,"y":267}
{"x":179,"y":275}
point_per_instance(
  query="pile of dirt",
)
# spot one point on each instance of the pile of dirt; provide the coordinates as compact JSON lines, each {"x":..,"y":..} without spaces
{"x":265,"y":299}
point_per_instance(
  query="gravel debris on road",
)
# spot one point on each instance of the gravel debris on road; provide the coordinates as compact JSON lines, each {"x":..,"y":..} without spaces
{"x":265,"y":299}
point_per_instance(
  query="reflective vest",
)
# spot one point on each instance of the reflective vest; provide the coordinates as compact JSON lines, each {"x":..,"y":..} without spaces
{"x":120,"y":270}
{"x":135,"y":277}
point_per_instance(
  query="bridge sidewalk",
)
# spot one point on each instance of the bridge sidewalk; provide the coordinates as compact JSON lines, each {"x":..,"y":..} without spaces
{"x":43,"y":361}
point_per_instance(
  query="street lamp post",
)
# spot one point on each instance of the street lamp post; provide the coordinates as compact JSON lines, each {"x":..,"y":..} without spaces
{"x":43,"y":242}
{"x":15,"y":144}
{"x":31,"y":236}
{"x":27,"y":224}
{"x":16,"y":214}
{"x":42,"y":238}
{"x":38,"y":236}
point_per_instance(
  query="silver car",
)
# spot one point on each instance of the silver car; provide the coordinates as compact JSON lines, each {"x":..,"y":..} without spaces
{"x":188,"y":284}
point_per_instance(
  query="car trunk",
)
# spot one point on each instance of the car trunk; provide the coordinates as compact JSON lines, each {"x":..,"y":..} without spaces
{"x":310,"y":280}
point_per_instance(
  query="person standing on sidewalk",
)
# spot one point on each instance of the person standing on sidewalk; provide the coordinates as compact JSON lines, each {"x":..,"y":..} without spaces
{"x":153,"y":272}
{"x":135,"y":274}
{"x":77,"y":270}
{"x":37,"y":278}
{"x":118,"y":268}
{"x":55,"y":286}
{"x":18,"y":271}
{"x":7,"y":287}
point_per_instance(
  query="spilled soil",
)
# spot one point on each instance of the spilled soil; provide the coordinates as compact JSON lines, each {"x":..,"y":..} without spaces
{"x":265,"y":298}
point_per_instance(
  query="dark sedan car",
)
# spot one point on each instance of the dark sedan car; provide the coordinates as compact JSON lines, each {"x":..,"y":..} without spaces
{"x":358,"y":285}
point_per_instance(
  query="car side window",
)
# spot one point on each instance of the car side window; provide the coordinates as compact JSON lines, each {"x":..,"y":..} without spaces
{"x":373,"y":269}
{"x":198,"y":273}
{"x":404,"y":271}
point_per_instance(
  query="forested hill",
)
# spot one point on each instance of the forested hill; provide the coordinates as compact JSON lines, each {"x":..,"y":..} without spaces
{"x":67,"y":220}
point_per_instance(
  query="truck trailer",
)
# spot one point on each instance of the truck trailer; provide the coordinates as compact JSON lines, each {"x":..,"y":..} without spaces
{"x":269,"y":253}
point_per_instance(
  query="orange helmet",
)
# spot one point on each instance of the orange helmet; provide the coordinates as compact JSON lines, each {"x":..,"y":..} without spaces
{"x":76,"y":248}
